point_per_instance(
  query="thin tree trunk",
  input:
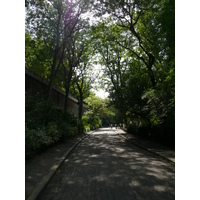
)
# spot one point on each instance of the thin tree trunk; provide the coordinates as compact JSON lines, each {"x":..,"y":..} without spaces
{"x":67,"y":86}
{"x":80,"y":109}
{"x":151,"y":74}
{"x":52,"y":77}
{"x":66,"y":98}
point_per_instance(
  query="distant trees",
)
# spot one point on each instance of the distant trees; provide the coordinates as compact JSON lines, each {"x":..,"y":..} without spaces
{"x":98,"y":109}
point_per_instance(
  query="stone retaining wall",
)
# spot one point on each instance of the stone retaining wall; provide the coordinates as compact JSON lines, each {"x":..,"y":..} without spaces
{"x":35,"y":85}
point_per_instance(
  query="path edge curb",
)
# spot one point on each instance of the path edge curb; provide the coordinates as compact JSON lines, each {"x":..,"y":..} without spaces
{"x":157,"y":154}
{"x":46,"y":179}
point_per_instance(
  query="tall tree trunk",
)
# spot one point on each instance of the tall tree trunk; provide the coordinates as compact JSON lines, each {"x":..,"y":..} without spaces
{"x":151,"y":57}
{"x":53,"y":68}
{"x":125,"y":119}
{"x":67,"y":85}
{"x":151,"y":74}
{"x":80,"y":110}
{"x":52,"y":77}
{"x":66,"y":98}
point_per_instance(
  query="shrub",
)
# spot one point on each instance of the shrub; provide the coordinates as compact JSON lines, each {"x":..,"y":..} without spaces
{"x":85,"y":120}
{"x":46,"y":125}
{"x":35,"y":141}
{"x":132,"y":129}
{"x":73,"y":131}
{"x":52,"y":131}
{"x":64,"y":130}
{"x":87,"y":126}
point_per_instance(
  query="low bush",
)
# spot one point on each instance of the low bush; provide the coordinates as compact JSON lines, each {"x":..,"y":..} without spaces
{"x":162,"y":135}
{"x":52,"y":131}
{"x":46,"y":125}
{"x":144,"y":131}
{"x":132,"y":129}
{"x":35,"y":141}
{"x":85,"y":120}
{"x":87,"y":128}
{"x":64,"y":130}
{"x":85,"y":123}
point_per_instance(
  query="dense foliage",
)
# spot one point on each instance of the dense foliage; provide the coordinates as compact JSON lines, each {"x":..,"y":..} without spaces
{"x":136,"y":46}
{"x":46,"y":125}
{"x":98,"y":109}
{"x":133,"y":42}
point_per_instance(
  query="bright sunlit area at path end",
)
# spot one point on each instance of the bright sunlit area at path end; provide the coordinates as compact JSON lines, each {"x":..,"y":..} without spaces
{"x":101,"y":93}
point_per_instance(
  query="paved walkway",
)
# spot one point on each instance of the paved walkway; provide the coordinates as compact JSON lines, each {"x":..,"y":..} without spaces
{"x":105,"y":166}
{"x":41,"y":166}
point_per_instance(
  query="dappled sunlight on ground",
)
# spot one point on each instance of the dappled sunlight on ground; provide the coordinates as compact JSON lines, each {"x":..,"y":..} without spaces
{"x":104,"y":131}
{"x":104,"y":166}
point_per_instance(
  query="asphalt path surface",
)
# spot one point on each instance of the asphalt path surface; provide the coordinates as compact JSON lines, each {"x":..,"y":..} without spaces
{"x":105,"y":166}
